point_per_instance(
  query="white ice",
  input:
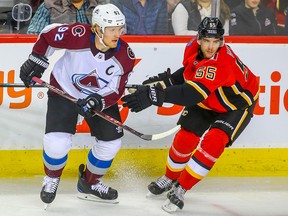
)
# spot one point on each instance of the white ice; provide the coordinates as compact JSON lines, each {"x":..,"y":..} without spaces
{"x":214,"y":196}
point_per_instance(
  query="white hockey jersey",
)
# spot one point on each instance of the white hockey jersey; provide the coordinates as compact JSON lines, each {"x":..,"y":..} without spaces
{"x":83,"y":69}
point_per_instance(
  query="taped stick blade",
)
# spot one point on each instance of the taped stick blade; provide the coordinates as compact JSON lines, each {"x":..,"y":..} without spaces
{"x":160,"y":135}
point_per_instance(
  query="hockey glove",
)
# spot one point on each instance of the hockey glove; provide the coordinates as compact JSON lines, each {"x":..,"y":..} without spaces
{"x":86,"y":106}
{"x":144,"y":97}
{"x":165,"y":79}
{"x":34,"y":66}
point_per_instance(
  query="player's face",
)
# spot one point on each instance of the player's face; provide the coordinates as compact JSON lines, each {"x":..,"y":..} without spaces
{"x":252,"y":3}
{"x":209,"y":46}
{"x":112,"y":35}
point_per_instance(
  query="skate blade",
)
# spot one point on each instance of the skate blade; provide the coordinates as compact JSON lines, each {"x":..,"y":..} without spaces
{"x":90,"y":197}
{"x":169,"y":207}
{"x":46,"y":206}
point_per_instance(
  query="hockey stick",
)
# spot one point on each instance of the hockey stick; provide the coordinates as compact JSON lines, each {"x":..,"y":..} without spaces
{"x":21,"y":85}
{"x":7,"y":85}
{"x":107,"y":117}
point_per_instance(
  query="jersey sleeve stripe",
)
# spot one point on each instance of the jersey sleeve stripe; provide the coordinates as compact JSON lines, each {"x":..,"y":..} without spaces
{"x":225,"y":100}
{"x":257,"y":94}
{"x":200,"y":88}
{"x":243,"y":95}
{"x":203,"y":106}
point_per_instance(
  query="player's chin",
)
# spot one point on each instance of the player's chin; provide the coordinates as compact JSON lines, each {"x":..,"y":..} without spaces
{"x":209,"y":54}
{"x":113,"y":43}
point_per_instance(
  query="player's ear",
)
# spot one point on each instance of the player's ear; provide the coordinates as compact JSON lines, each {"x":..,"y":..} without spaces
{"x":93,"y":28}
{"x":222,"y":43}
{"x":97,"y":29}
{"x":198,"y":39}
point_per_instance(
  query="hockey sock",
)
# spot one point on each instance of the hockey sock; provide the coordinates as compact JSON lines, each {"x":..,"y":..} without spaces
{"x":211,"y":148}
{"x":180,"y":152}
{"x":90,"y":177}
{"x":95,"y":168}
{"x":53,"y":167}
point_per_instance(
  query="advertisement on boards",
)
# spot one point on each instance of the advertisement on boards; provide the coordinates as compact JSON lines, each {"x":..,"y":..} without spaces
{"x":23,"y":110}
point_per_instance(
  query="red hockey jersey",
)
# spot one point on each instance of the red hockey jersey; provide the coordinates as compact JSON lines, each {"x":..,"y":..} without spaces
{"x":224,"y":81}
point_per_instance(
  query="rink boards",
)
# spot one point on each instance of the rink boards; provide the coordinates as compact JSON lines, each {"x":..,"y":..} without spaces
{"x":151,"y":162}
{"x":260,"y":151}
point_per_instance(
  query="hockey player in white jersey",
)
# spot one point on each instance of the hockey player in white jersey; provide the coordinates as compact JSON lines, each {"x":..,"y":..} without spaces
{"x":94,"y":68}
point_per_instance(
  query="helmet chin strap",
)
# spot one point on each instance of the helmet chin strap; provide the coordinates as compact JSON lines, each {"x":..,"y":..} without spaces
{"x":101,"y":39}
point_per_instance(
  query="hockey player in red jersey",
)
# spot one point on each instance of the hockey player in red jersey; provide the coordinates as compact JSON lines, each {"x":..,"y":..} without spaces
{"x":94,"y":68}
{"x":219,"y":93}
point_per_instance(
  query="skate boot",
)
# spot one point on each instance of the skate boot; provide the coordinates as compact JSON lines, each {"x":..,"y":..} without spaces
{"x":98,"y":192}
{"x":49,"y":188}
{"x":175,"y":199}
{"x":159,"y":186}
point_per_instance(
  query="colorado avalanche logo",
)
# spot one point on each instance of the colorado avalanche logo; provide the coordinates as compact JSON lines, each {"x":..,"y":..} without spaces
{"x":86,"y":83}
{"x":78,"y":30}
{"x":130,"y":53}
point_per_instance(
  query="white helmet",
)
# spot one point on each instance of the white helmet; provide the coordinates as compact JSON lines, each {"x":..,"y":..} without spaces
{"x":107,"y":15}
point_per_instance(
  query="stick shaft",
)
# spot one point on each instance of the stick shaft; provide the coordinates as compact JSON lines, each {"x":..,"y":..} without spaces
{"x":107,"y":117}
{"x":21,"y":85}
{"x":17,"y":85}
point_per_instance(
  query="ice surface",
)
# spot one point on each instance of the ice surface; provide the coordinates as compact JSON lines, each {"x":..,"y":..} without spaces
{"x":214,"y":196}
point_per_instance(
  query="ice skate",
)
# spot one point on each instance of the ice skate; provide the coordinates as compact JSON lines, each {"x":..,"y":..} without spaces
{"x":159,"y":186}
{"x":97,"y":192}
{"x":175,"y":199}
{"x":49,"y":189}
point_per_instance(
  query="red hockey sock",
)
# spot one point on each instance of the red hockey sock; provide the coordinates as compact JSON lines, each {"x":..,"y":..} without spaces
{"x":180,"y":152}
{"x":211,"y":148}
{"x":53,"y":173}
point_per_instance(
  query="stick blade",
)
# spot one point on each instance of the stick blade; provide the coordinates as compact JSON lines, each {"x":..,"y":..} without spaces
{"x":165,"y":134}
{"x":160,"y":135}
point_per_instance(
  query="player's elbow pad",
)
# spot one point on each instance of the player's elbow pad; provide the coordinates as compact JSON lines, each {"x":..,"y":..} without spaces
{"x":184,"y":95}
